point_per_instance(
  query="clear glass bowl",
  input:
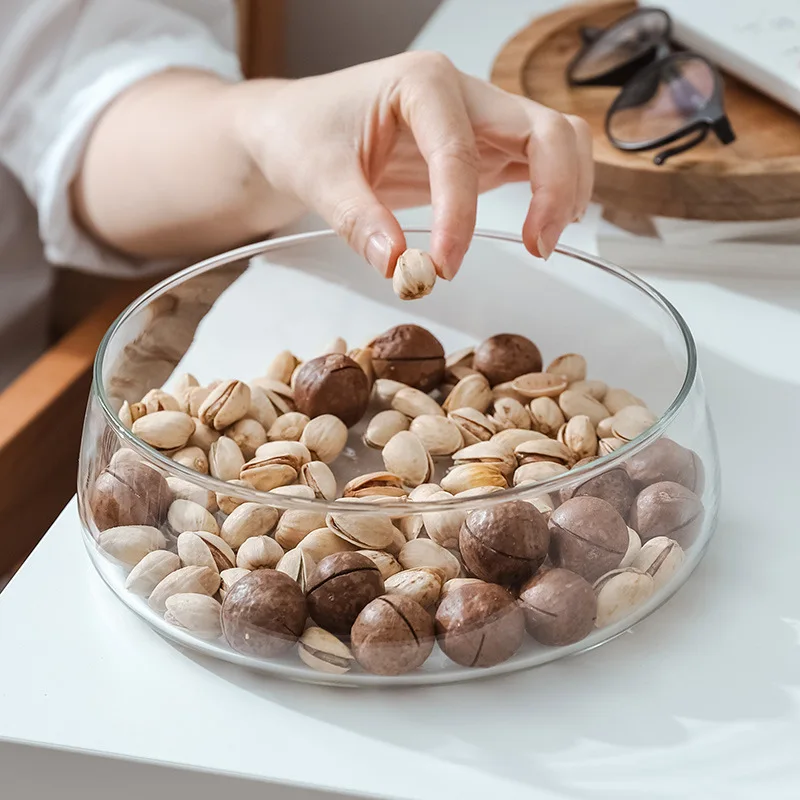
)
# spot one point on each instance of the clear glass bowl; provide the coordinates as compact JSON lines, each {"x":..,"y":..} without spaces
{"x":228,"y":317}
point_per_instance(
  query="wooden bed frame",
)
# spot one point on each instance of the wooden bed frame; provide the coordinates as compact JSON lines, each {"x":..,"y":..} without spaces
{"x":41,"y":413}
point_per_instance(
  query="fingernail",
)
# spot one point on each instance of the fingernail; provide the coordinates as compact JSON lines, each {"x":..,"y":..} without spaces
{"x":547,"y":241}
{"x":377,"y":252}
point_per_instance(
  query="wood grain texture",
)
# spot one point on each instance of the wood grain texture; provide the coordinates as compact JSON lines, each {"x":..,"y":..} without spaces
{"x":755,"y":178}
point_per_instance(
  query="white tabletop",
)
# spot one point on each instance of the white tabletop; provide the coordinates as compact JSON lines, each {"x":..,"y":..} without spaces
{"x":701,"y":700}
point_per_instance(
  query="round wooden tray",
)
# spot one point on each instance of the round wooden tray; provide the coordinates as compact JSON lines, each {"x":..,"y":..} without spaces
{"x":755,"y":178}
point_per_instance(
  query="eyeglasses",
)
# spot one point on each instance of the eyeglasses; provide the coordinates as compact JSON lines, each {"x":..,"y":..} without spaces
{"x":666,"y":95}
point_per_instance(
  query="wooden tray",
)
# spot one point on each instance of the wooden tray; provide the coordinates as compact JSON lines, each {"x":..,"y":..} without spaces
{"x":755,"y":178}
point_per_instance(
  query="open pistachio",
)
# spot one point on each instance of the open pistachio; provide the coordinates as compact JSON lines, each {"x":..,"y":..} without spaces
{"x":470,"y":476}
{"x":249,"y":434}
{"x":538,"y":471}
{"x":259,"y":552}
{"x":617,"y":399}
{"x":150,"y":571}
{"x":604,"y":428}
{"x":574,"y":404}
{"x":324,"y":542}
{"x":165,"y":430}
{"x":193,"y":580}
{"x":192,"y":458}
{"x":419,"y":494}
{"x":278,"y":393}
{"x":630,"y":421}
{"x":386,"y":563}
{"x":261,"y":408}
{"x":295,"y":490}
{"x":131,"y":543}
{"x":619,"y":593}
{"x":406,"y":457}
{"x":323,"y":652}
{"x":198,"y":614}
{"x":609,"y":445}
{"x":228,"y":577}
{"x":511,"y":438}
{"x":375,"y":483}
{"x":282,"y":366}
{"x":570,"y":366}
{"x":185,"y":490}
{"x":546,"y":416}
{"x":460,"y":358}
{"x":193,"y":398}
{"x":440,"y":435}
{"x":384,"y":390}
{"x":288,"y":427}
{"x":205,"y":549}
{"x":510,"y":414}
{"x":266,"y":474}
{"x":596,"y":389}
{"x":295,"y":524}
{"x":202,"y":436}
{"x":225,"y":459}
{"x":184,"y":515}
{"x":426,"y":553}
{"x":383,"y":426}
{"x":299,"y":566}
{"x":539,"y":384}
{"x":634,"y":548}
{"x":489,"y":452}
{"x":660,"y":558}
{"x":320,"y":478}
{"x":474,"y":425}
{"x":365,"y":531}
{"x":325,"y":437}
{"x":159,"y":400}
{"x":506,"y":389}
{"x":414,"y":403}
{"x":443,"y":526}
{"x":472,"y":391}
{"x":228,"y":402}
{"x":227,"y":502}
{"x":246,"y":520}
{"x":538,"y":450}
{"x":363,"y":357}
{"x":295,"y":453}
{"x":422,"y":584}
{"x":414,"y":275}
{"x":580,"y":437}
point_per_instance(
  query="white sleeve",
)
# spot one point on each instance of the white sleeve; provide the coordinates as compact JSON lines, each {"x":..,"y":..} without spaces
{"x":61,"y":63}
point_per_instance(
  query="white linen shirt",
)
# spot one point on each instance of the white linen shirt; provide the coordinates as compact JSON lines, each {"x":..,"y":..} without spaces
{"x":61,"y":63}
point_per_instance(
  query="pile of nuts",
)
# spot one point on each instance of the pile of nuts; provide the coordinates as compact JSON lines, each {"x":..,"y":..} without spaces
{"x":340,"y":588}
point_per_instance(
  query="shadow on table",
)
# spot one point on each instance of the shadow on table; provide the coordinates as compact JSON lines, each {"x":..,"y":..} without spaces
{"x":731,"y":635}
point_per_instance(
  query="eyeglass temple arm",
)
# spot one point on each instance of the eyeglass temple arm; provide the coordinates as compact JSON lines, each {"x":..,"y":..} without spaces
{"x":590,"y":34}
{"x":687,"y":144}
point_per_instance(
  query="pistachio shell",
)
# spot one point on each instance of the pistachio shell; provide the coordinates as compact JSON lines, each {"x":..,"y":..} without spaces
{"x":539,"y":384}
{"x":472,"y":391}
{"x":574,"y":403}
{"x":570,"y":366}
{"x":414,"y":275}
{"x":617,"y":399}
{"x":299,"y":566}
{"x":205,"y":549}
{"x":259,"y":552}
{"x":164,"y":430}
{"x":323,"y":652}
{"x":246,"y":520}
{"x":426,"y":553}
{"x":288,"y":427}
{"x":422,"y":584}
{"x":414,"y":403}
{"x":225,"y":459}
{"x":439,"y":435}
{"x":227,"y":402}
{"x":185,"y":515}
{"x":150,"y":571}
{"x":294,"y":525}
{"x":197,"y":580}
{"x":325,"y":437}
{"x":318,"y":476}
{"x":470,"y":476}
{"x":609,"y":445}
{"x":131,"y":543}
{"x":383,"y":426}
{"x":386,"y":563}
{"x":631,"y":421}
{"x":406,"y":457}
{"x":366,"y":531}
{"x":474,"y":426}
{"x":196,"y":613}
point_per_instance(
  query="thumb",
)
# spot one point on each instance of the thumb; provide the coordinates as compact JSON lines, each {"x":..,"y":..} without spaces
{"x":347,"y":203}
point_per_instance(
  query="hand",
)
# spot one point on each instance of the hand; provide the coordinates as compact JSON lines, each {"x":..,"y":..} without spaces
{"x":406,"y":131}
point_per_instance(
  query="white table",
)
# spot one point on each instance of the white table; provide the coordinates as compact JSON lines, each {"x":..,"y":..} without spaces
{"x":702,"y":700}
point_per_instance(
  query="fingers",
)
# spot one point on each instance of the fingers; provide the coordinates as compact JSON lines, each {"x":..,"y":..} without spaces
{"x":345,"y":200}
{"x":432,"y":105}
{"x":583,"y":137}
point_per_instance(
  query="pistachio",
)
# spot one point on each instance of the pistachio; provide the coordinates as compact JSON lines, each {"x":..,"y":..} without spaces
{"x":414,"y":275}
{"x":266,"y":474}
{"x":383,"y":426}
{"x":474,"y":426}
{"x":299,"y":566}
{"x":443,"y":526}
{"x":488,"y":453}
{"x":472,"y":391}
{"x":460,"y":358}
{"x":542,"y":503}
{"x":131,"y":543}
{"x":323,"y":652}
{"x":660,"y":558}
{"x":150,"y":571}
{"x":363,"y":357}
{"x":619,"y":592}
{"x":259,"y":552}
{"x":470,"y":476}
{"x":634,"y":548}
{"x":439,"y":435}
{"x":193,"y":399}
{"x":249,"y":434}
{"x":193,"y":458}
{"x":202,"y":435}
{"x":544,"y":450}
{"x":419,"y":494}
{"x":203,"y":549}
{"x":375,"y":483}
{"x":480,"y":491}
{"x":386,"y":563}
{"x":511,"y":438}
{"x":324,"y":542}
{"x":126,"y":415}
{"x":410,"y":526}
{"x":426,"y":553}
{"x":186,"y":490}
{"x":225,"y":404}
{"x":288,"y":427}
{"x":366,"y":531}
{"x":227,"y":502}
{"x":397,"y":543}
{"x":246,"y":520}
{"x":228,"y":577}
{"x":164,"y":430}
{"x":185,"y":515}
{"x":574,"y":404}
{"x":539,"y":384}
{"x":422,"y":584}
{"x":570,"y":366}
{"x":318,"y":476}
{"x":604,"y":428}
{"x":596,"y":389}
{"x":510,"y":414}
{"x":506,"y":389}
{"x":295,"y":490}
{"x":159,"y":400}
{"x":537,"y":471}
{"x":617,"y":399}
{"x":405,"y":456}
{"x":335,"y":345}
{"x":278,"y":393}
{"x":630,"y":421}
{"x":183,"y":382}
{"x":261,"y":408}
{"x":282,"y":366}
{"x":325,"y":437}
{"x":225,"y":459}
{"x":609,"y":445}
{"x":546,"y":416}
{"x":198,"y":614}
{"x":295,"y":453}
{"x":414,"y":403}
{"x":385,"y":389}
{"x":295,"y":524}
{"x":194,"y":580}
{"x":580,"y":437}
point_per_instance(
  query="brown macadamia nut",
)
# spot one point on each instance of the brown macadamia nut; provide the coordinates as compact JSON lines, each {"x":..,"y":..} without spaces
{"x":560,"y":607}
{"x":392,"y":635}
{"x":409,"y":354}
{"x":506,"y":356}
{"x":666,"y":460}
{"x":332,"y":384}
{"x":614,"y":486}
{"x":667,"y":509}
{"x":342,"y":584}
{"x":479,"y":625}
{"x":505,"y":543}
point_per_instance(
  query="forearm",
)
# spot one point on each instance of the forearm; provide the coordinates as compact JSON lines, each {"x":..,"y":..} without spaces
{"x":165,"y":173}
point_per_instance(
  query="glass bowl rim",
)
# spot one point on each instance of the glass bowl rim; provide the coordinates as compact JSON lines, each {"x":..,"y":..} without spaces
{"x":395,"y":509}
